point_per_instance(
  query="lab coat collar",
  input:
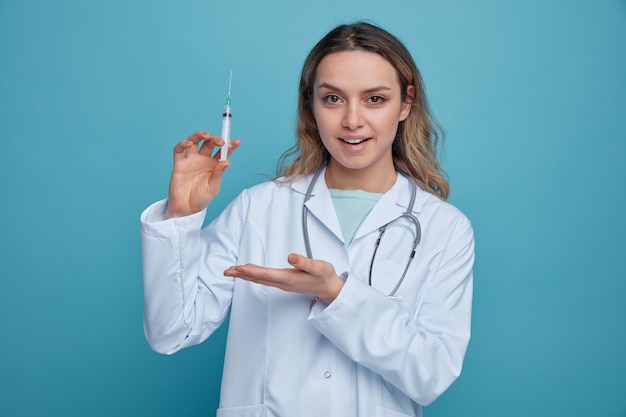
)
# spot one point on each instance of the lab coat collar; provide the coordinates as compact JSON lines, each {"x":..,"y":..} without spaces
{"x":390,"y":206}
{"x":320,"y":204}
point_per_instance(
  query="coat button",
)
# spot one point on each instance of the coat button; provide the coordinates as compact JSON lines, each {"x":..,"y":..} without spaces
{"x":327,"y":374}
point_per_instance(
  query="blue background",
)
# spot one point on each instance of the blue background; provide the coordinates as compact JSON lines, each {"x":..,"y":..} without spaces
{"x":94,"y":94}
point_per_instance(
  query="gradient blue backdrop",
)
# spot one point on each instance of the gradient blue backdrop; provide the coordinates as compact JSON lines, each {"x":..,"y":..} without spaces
{"x":94,"y":94}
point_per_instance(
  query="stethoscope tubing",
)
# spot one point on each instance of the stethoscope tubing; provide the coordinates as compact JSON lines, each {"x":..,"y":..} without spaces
{"x":408,"y":214}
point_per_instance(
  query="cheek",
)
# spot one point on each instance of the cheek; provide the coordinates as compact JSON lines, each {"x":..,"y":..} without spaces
{"x":316,"y":115}
{"x":322,"y":120}
{"x":391,"y":122}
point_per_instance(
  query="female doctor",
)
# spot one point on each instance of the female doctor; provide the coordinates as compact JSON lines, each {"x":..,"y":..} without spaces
{"x":348,"y":279}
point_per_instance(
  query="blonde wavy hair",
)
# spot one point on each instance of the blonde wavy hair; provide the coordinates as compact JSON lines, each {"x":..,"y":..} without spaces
{"x":419,"y":136}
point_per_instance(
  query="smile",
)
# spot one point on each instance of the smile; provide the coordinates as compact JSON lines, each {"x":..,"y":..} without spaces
{"x":354,"y":141}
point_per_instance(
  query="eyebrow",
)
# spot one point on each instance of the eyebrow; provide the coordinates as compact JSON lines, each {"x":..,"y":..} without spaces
{"x":368,"y":91}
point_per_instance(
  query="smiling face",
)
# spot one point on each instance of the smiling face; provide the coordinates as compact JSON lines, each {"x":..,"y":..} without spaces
{"x":357,"y":104}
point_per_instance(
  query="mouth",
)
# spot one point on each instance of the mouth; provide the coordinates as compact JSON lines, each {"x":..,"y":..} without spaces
{"x":354,"y":141}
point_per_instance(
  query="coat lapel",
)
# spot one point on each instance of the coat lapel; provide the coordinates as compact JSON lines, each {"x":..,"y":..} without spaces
{"x":390,"y":206}
{"x":320,"y":205}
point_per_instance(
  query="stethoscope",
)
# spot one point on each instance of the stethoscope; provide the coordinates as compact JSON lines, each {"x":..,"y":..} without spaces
{"x":407,"y":214}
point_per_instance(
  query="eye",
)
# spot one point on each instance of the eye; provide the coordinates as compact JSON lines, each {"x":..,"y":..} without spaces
{"x":331,"y":99}
{"x":377,"y":99}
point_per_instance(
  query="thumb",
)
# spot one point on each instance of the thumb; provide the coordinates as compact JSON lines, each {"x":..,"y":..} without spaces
{"x":220,"y":168}
{"x":296,"y":260}
{"x":218,"y":172}
{"x":310,"y":266}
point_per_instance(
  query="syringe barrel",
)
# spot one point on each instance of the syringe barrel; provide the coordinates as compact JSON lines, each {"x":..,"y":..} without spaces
{"x":226,"y":119}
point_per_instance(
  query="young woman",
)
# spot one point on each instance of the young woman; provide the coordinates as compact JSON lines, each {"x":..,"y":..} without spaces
{"x":348,"y":279}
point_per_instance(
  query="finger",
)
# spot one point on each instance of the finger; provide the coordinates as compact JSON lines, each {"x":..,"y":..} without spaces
{"x":199,"y":136}
{"x":261,"y":275}
{"x":218,"y":174}
{"x":209,"y":145}
{"x":192,"y":143}
{"x":181,"y":148}
{"x":287,"y":279}
{"x":311,"y":266}
{"x":245,"y":274}
{"x":247,"y":271}
{"x":330,"y":283}
{"x":298,"y":261}
{"x":233,"y":145}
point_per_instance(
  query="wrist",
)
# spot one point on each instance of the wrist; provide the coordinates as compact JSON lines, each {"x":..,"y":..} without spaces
{"x":333,"y":290}
{"x":170,"y":213}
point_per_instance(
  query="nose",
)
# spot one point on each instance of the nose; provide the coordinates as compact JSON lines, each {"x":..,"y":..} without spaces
{"x":352,"y":118}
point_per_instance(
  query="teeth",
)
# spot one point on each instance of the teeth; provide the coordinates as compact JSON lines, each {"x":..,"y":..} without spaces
{"x":353,"y":141}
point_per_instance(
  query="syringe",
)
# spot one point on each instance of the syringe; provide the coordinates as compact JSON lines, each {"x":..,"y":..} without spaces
{"x":226,"y":118}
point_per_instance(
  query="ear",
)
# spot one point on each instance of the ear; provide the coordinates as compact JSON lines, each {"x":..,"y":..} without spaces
{"x":405,"y":110}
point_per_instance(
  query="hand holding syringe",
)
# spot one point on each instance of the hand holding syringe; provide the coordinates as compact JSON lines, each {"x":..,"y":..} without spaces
{"x":226,"y":119}
{"x":197,"y":174}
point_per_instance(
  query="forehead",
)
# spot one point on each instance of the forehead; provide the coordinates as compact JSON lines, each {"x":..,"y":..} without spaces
{"x":356,"y":68}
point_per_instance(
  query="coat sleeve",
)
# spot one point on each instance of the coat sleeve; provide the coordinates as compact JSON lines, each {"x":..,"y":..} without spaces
{"x":186,"y":296}
{"x":422,"y":353}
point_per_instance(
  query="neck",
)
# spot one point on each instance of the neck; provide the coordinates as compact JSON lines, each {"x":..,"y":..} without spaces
{"x":342,"y":178}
